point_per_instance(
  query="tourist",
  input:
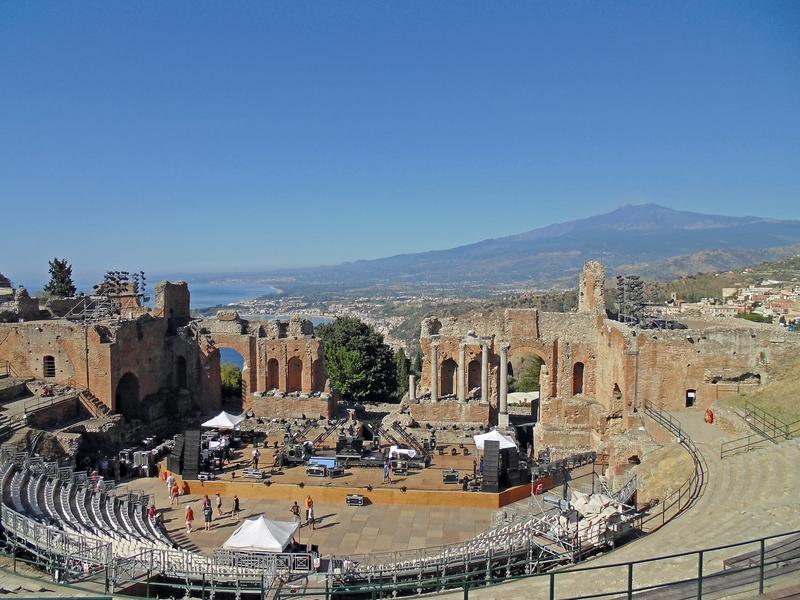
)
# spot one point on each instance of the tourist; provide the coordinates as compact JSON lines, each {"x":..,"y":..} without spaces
{"x":481,"y":467}
{"x":173,"y":494}
{"x":310,"y":511}
{"x":219,"y":505}
{"x":206,"y":502}
{"x":256,"y":456}
{"x":171,"y":481}
{"x":387,"y":478}
{"x":208,"y":513}
{"x":236,"y":508}
{"x":151,"y":513}
{"x":296,"y":511}
{"x":189,"y":518}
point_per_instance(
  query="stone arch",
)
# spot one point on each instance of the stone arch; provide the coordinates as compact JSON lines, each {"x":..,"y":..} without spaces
{"x":242,"y":345}
{"x":273,"y":374}
{"x":127,"y":401}
{"x":48,"y":366}
{"x":518,"y":355}
{"x":180,"y":373}
{"x":294,"y":374}
{"x":449,"y":377}
{"x":474,"y":374}
{"x":577,"y":378}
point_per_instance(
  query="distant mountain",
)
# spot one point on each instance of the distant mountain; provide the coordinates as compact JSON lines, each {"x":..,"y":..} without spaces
{"x":646,"y":238}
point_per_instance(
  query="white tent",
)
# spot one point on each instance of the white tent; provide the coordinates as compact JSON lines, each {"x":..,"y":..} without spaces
{"x":262,"y":535}
{"x":493,"y":436}
{"x":224,"y":421}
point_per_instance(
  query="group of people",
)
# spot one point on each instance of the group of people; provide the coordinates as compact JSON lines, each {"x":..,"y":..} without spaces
{"x":309,"y":506}
{"x":208,"y":511}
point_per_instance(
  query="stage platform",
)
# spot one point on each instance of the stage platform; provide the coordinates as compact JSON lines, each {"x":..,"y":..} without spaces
{"x":420,"y":487}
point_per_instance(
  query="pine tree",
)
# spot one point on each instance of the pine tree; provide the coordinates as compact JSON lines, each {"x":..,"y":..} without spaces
{"x":60,"y":284}
{"x":416,"y":367}
{"x":401,"y":364}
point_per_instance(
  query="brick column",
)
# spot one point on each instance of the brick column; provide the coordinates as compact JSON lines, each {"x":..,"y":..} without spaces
{"x":502,"y":419}
{"x":434,"y":370}
{"x":484,"y":370}
{"x":412,"y":389}
{"x":462,"y":358}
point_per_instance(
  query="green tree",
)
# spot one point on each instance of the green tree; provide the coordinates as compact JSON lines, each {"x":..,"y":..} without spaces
{"x":416,"y":366}
{"x":529,"y":378}
{"x":60,"y":284}
{"x":360,"y":366}
{"x":231,"y":376}
{"x":401,"y":364}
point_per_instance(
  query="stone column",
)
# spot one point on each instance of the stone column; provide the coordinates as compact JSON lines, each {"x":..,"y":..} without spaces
{"x":462,"y":359}
{"x":502,"y":420}
{"x":484,"y":370}
{"x":412,"y":389}
{"x":434,"y":370}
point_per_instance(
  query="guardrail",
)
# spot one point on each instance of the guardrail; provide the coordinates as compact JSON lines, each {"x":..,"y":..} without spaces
{"x":747,"y":566}
{"x":768,"y":427}
{"x":41,"y":402}
{"x":763,"y":422}
{"x":679,"y":500}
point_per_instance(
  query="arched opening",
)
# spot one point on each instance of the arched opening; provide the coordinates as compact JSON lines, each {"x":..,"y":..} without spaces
{"x":691,"y":398}
{"x":127,"y":397}
{"x":577,"y":379}
{"x":473,"y":374}
{"x":273,"y":377}
{"x":527,"y":368}
{"x":48,"y":366}
{"x":294,"y":375}
{"x":180,"y":373}
{"x":231,"y":367}
{"x":449,"y":377}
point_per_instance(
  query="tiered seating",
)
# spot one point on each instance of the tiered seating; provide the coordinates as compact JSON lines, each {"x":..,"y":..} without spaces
{"x":16,"y":492}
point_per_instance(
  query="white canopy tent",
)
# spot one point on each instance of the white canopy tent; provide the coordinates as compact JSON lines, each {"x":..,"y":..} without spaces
{"x":224,"y":420}
{"x":262,"y":535}
{"x":493,"y":436}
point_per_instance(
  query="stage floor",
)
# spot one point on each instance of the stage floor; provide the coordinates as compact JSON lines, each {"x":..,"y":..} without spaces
{"x":341,"y":529}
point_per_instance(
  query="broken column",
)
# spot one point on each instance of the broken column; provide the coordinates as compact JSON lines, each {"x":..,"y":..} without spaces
{"x":484,"y":370}
{"x":434,"y":368}
{"x":502,"y":419}
{"x":462,"y":358}
{"x":412,"y":389}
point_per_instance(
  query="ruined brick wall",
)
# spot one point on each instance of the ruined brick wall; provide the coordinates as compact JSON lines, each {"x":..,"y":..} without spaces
{"x":451,"y":411}
{"x":592,"y":288}
{"x":293,"y":408}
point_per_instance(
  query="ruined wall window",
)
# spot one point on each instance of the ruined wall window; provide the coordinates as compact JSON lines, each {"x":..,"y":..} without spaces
{"x":180,"y":373}
{"x":577,"y":379}
{"x":474,"y":374}
{"x":48,"y":366}
{"x":294,"y":375}
{"x":127,"y":397}
{"x":691,"y":398}
{"x":272,"y":374}
{"x":449,"y":377}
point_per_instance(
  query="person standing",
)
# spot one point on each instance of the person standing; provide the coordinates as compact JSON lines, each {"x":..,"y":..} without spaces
{"x":219,"y":505}
{"x":170,"y":482}
{"x":256,"y":456}
{"x":310,"y":511}
{"x":236,"y":508}
{"x":189,"y":517}
{"x":173,"y":495}
{"x":296,"y":511}
{"x":387,"y":478}
{"x":208,"y":513}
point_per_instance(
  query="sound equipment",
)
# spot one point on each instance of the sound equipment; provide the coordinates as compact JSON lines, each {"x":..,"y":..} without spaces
{"x":254,"y":473}
{"x":173,"y":464}
{"x":316,"y":471}
{"x":336,"y":472}
{"x":191,"y":454}
{"x":491,"y":467}
{"x":450,"y":476}
{"x":354,"y":500}
{"x":399,"y":467}
{"x":205,"y":476}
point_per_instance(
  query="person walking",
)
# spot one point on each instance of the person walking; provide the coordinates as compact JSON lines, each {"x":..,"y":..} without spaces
{"x":189,"y":517}
{"x":170,"y":482}
{"x":208,"y":514}
{"x":310,"y":511}
{"x":256,"y":456}
{"x":387,"y":478}
{"x":296,"y":511}
{"x":173,"y":495}
{"x":236,"y":508}
{"x":219,"y":505}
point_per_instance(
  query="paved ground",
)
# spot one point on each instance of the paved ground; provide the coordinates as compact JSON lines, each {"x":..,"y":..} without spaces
{"x":340,"y":530}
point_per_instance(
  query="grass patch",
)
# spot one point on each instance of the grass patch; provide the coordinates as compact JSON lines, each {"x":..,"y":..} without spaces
{"x":781,"y":396}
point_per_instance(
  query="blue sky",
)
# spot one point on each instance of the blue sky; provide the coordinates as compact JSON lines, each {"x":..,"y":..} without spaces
{"x":188,"y":137}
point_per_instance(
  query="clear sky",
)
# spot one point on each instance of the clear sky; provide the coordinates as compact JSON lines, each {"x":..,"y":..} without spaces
{"x":187,"y":137}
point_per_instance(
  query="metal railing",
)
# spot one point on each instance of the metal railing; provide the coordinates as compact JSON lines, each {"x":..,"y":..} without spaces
{"x":768,"y":428}
{"x":679,"y":500}
{"x":764,"y":423}
{"x":41,"y":402}
{"x":6,"y":370}
{"x":747,"y":566}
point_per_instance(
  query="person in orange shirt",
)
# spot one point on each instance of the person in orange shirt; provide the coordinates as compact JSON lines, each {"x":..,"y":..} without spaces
{"x":309,"y":511}
{"x":189,"y":518}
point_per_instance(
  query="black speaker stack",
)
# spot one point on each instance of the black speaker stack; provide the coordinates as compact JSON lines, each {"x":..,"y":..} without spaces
{"x":491,"y":467}
{"x":355,"y":500}
{"x":191,"y":454}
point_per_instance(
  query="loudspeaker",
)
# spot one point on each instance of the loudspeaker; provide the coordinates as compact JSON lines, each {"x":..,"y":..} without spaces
{"x":354,"y":500}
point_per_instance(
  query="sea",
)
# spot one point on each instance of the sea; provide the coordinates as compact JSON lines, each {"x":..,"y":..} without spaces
{"x":205,"y":295}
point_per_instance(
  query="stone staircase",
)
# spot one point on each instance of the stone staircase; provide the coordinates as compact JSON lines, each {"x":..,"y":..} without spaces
{"x":93,"y":404}
{"x":9,"y":426}
{"x":745,"y":496}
